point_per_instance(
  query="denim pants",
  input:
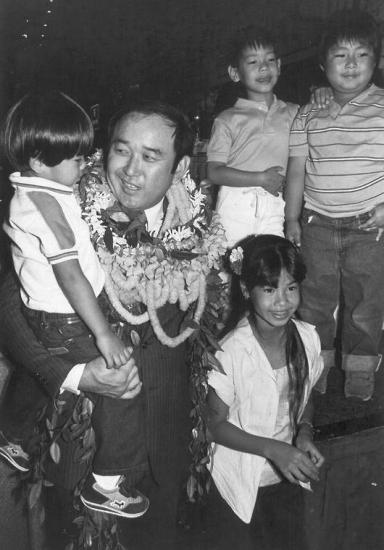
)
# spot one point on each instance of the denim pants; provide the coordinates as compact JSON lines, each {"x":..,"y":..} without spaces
{"x":345,"y":269}
{"x":117,"y":423}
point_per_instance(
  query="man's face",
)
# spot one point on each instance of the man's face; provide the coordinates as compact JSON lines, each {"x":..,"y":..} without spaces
{"x":140,"y":160}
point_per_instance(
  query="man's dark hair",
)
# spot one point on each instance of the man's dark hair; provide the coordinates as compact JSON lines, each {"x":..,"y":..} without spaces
{"x":350,"y":26}
{"x":249,"y":37}
{"x":49,"y":126}
{"x":173,"y":117}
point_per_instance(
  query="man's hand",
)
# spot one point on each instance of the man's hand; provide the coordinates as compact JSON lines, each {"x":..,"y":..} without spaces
{"x":271,"y":180}
{"x":293,"y":232}
{"x":123,"y":383}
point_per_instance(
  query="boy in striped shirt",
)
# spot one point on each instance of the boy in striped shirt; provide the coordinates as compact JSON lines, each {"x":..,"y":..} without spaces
{"x":336,"y":168}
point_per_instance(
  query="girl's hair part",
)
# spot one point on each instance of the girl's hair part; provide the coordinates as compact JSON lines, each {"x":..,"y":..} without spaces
{"x":49,"y":126}
{"x":263,"y":259}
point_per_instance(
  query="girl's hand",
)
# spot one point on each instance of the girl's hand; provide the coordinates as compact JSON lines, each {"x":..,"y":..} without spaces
{"x":304,"y":443}
{"x":293,"y":463}
{"x":321,"y":96}
{"x":113,"y":350}
{"x":293,"y":232}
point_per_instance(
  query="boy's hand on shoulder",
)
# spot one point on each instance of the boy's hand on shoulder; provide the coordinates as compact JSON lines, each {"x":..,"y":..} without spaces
{"x":293,"y":231}
{"x":115,"y":353}
{"x":321,"y":97}
{"x":271,"y":180}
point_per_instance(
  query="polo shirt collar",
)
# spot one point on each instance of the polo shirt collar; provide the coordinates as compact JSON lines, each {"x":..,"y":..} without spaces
{"x":38,"y":183}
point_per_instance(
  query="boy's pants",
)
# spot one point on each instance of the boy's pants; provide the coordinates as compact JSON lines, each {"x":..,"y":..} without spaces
{"x":117,"y":423}
{"x":345,"y":267}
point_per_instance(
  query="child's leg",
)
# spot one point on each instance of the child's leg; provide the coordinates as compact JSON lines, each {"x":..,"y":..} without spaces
{"x":321,"y":287}
{"x":119,"y":433}
{"x":278,"y":518}
{"x":363,"y":290}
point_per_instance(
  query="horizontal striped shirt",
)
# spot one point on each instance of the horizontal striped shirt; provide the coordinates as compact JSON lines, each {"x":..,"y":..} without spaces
{"x":344,"y":151}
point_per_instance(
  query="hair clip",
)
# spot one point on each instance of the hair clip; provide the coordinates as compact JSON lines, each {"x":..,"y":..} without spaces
{"x":236,"y":260}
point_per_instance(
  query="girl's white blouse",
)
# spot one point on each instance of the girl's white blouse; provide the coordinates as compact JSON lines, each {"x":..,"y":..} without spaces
{"x":249,"y":389}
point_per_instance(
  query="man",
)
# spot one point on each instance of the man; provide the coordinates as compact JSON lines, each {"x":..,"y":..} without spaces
{"x":149,"y":148}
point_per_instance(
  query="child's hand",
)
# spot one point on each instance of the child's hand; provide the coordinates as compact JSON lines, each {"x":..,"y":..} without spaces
{"x":293,"y":232}
{"x":321,"y":97}
{"x":293,"y":463}
{"x":271,"y":180}
{"x":305,"y":443}
{"x":113,"y":350}
{"x":376,"y":221}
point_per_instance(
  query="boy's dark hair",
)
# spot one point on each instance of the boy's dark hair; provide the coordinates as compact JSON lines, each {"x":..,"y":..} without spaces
{"x":349,"y":26}
{"x":249,"y":37}
{"x":49,"y":126}
{"x":183,"y":132}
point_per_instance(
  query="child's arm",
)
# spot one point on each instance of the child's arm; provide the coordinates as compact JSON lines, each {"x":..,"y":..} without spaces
{"x":80,"y":295}
{"x":304,"y":438}
{"x":294,"y":464}
{"x":271,"y":179}
{"x":294,"y":192}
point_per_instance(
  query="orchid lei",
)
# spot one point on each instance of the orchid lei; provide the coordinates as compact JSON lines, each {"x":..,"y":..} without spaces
{"x":170,"y":268}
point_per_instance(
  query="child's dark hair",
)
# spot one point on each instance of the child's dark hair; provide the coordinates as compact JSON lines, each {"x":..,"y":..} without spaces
{"x":264,"y":258}
{"x":49,"y":126}
{"x":249,"y":37}
{"x":350,"y":26}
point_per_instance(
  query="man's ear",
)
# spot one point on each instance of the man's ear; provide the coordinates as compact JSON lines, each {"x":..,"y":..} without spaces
{"x":37,"y":166}
{"x":279,"y":65}
{"x":233,"y":73}
{"x":244,"y":290}
{"x":182,"y":167}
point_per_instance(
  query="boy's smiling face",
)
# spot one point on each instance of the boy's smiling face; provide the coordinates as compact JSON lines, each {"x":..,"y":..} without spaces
{"x":258,"y":70}
{"x":349,"y":66}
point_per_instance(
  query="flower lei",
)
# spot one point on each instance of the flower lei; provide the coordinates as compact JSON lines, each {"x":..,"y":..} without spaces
{"x":171,"y":268}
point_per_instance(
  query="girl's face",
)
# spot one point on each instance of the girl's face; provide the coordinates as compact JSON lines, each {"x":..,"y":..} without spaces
{"x":274,"y":307}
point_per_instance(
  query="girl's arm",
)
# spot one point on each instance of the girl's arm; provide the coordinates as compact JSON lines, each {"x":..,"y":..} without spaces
{"x":271,"y":179}
{"x":294,"y":464}
{"x":80,"y":295}
{"x":304,"y":438}
{"x":294,"y":191}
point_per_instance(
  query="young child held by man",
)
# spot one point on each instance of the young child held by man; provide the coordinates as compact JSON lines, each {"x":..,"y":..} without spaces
{"x":46,"y":136}
{"x":336,"y":170}
{"x":248,"y":149}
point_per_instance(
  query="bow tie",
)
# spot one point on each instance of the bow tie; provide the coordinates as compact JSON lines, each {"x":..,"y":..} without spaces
{"x":126,"y":222}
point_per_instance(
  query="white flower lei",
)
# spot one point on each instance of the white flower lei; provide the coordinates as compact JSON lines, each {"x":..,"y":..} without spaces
{"x":148,"y":273}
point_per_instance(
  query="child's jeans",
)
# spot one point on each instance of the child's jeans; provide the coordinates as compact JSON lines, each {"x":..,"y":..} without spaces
{"x":118,"y":423}
{"x":345,"y":269}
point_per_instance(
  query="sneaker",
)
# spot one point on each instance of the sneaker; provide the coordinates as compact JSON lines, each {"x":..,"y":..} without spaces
{"x":14,"y":454}
{"x":128,"y":503}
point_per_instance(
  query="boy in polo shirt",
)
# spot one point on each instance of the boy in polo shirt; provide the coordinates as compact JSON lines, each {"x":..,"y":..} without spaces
{"x":336,"y":165}
{"x":248,"y":149}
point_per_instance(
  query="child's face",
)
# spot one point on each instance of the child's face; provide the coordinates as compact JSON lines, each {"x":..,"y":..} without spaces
{"x":67,"y":173}
{"x":275,"y":306}
{"x":349,"y":68}
{"x":258,"y":70}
